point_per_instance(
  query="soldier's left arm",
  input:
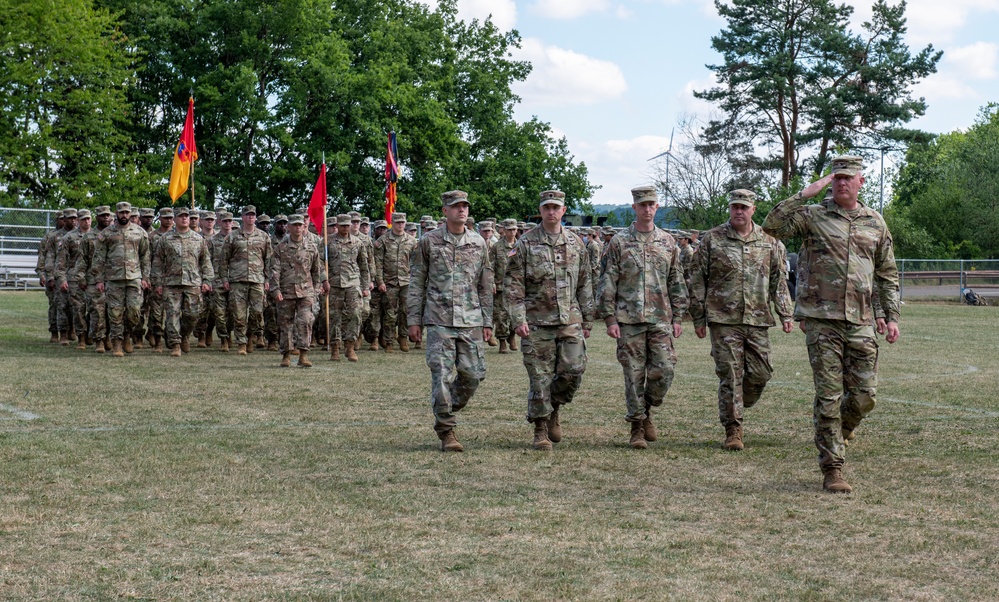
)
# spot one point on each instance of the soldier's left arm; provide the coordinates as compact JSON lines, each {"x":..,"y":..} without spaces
{"x":485,"y":286}
{"x":515,"y":285}
{"x":364,"y":265}
{"x":780,"y":295}
{"x":886,"y":278}
{"x":144,"y":259}
{"x":207,"y":270}
{"x":584,"y":289}
{"x":678,"y":296}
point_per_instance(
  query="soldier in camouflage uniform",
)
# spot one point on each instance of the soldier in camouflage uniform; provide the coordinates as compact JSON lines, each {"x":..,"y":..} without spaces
{"x":153,"y":302}
{"x":63,"y":305}
{"x":67,"y":278}
{"x":46,"y":279}
{"x":594,"y":250}
{"x":550,"y":296}
{"x":96,"y":310}
{"x":181,"y":272}
{"x":364,"y":308}
{"x":849,"y":255}
{"x":217,"y":299}
{"x":271,"y":320}
{"x":393,"y":252}
{"x":686,"y":256}
{"x":500,"y":256}
{"x":203,"y":330}
{"x":296,"y":273}
{"x":738,"y":275}
{"x":450,"y":291}
{"x":121,"y":270}
{"x":350,"y":282}
{"x":246,"y":257}
{"x":642,"y":299}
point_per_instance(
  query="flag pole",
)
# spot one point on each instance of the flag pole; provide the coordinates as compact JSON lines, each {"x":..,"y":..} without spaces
{"x":192,"y":159}
{"x":326,"y":262}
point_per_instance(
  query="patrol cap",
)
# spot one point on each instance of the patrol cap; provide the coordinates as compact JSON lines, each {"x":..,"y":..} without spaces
{"x":280,"y":217}
{"x":83,"y":214}
{"x":355,"y":216}
{"x":248,"y":210}
{"x":509,"y":224}
{"x":179,"y":212}
{"x":608,"y":231}
{"x":69,"y":212}
{"x":295,"y":219}
{"x":123,"y":206}
{"x":742,"y":196}
{"x":365,"y":220}
{"x":644,"y":194}
{"x":103,"y":210}
{"x":486,"y":225}
{"x":381,"y":224}
{"x":411,"y":227}
{"x":147,"y":212}
{"x":343,"y":219}
{"x":398,"y":217}
{"x":331,"y":220}
{"x":166,"y":212}
{"x":521,"y":226}
{"x":470,"y":222}
{"x":264,"y":219}
{"x":453,"y":197}
{"x":850,"y":165}
{"x":195,"y":214}
{"x":552,"y":197}
{"x":225,"y":216}
{"x":208,"y":215}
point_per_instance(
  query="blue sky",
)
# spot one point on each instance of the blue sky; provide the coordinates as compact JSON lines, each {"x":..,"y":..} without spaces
{"x":613,"y":76}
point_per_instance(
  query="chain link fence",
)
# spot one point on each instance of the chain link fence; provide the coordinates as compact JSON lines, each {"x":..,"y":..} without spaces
{"x":21,"y":231}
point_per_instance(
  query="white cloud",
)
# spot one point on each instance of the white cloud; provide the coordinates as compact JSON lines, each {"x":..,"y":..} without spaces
{"x":942,"y":87}
{"x":619,"y":165}
{"x":695,"y":106}
{"x":562,"y":77}
{"x":935,"y":22}
{"x":977,"y":61}
{"x":568,"y":9}
{"x":503,"y":12}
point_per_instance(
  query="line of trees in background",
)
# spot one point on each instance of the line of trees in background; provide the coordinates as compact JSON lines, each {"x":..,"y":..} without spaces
{"x":95,"y":93}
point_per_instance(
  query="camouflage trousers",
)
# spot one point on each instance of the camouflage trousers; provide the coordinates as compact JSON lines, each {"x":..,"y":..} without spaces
{"x":213,"y":314}
{"x":246,"y":305}
{"x":372,"y":327}
{"x":98,"y":310}
{"x":844,"y":359}
{"x":154,"y":316}
{"x":271,"y":320}
{"x":393,"y":306}
{"x":64,"y":309}
{"x":742,"y":363}
{"x":295,"y":317}
{"x":124,"y":302}
{"x":501,"y":317}
{"x":457,"y":361}
{"x":646,"y":353}
{"x":182,"y":305}
{"x":345,"y":313}
{"x":50,"y":293}
{"x":78,"y":302}
{"x":320,"y":307}
{"x":555,"y":358}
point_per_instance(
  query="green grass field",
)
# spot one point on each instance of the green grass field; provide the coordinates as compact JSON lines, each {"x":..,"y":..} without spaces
{"x":218,"y":477}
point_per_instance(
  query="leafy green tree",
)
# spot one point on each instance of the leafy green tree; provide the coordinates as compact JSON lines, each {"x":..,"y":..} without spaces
{"x":795,"y":78}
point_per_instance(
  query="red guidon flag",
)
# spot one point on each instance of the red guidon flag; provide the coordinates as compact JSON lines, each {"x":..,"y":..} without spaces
{"x":184,"y":157}
{"x":317,"y":204}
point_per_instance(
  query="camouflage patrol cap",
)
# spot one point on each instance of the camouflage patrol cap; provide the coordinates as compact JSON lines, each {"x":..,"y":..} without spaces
{"x":83,"y":214}
{"x":147,"y":212}
{"x":248,"y":210}
{"x":195,"y":214}
{"x":166,"y":212}
{"x":644,"y":194}
{"x":486,"y":225}
{"x":411,"y":227}
{"x":280,"y":217}
{"x":179,"y":212}
{"x":509,"y":224}
{"x":470,"y":222}
{"x":398,"y":217}
{"x":103,"y":210}
{"x":453,"y":197}
{"x":552,"y":197}
{"x":225,"y":216}
{"x":207,"y":215}
{"x":295,"y":219}
{"x":530,"y":226}
{"x":365,"y":220}
{"x":742,"y":196}
{"x":343,"y":219}
{"x":608,"y":230}
{"x":850,"y":165}
{"x":264,"y":219}
{"x":521,"y":226}
{"x":381,"y":224}
{"x":123,"y":206}
{"x":69,"y":212}
{"x":426,"y":218}
{"x":355,"y":216}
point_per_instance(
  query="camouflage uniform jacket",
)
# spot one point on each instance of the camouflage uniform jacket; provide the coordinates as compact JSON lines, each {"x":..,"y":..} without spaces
{"x":392,"y":257}
{"x":848,"y":257}
{"x":500,"y":259}
{"x":68,"y":254}
{"x":687,"y":256}
{"x":549,"y":281}
{"x":122,"y":253}
{"x":85,"y":259}
{"x":216,"y":245}
{"x":369,"y":250}
{"x":734,"y":281}
{"x":348,"y":263}
{"x":182,"y":259}
{"x":452,"y":281}
{"x":43,"y":250}
{"x":594,"y":250}
{"x":642,"y":282}
{"x":246,"y":257}
{"x":52,"y":254}
{"x":296,"y":270}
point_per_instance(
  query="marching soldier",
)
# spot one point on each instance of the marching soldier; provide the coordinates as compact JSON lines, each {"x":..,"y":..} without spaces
{"x":246,"y":257}
{"x":121,"y":268}
{"x":349,"y":282}
{"x":296,"y":274}
{"x":393,"y":252}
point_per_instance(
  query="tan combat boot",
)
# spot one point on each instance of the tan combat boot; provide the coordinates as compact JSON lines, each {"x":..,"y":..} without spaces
{"x":848,"y":435}
{"x":286,"y":359}
{"x":373,"y":346}
{"x":351,"y":356}
{"x":116,"y":347}
{"x":208,"y":339}
{"x":541,"y":440}
{"x":54,"y":338}
{"x":201,"y":342}
{"x":303,"y":359}
{"x":502,"y":346}
{"x":136,"y":342}
{"x":224,"y":345}
{"x":403,"y":344}
{"x":64,"y":338}
{"x":733,"y":438}
{"x":513,"y":342}
{"x":81,"y":343}
{"x":554,"y":426}
{"x":157,"y":344}
{"x":185,"y":344}
{"x":126,"y":344}
{"x":651,"y":432}
{"x":833,"y":481}
{"x":99,"y":348}
{"x":388,"y":347}
{"x":335,"y":352}
{"x":449,"y":442}
{"x":242,"y":350}
{"x":250,"y":343}
{"x":272,"y":346}
{"x":175,"y":351}
{"x":259,"y":343}
{"x":637,"y":436}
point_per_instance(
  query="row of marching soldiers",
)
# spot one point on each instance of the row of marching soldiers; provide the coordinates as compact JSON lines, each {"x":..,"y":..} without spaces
{"x":118,"y":281}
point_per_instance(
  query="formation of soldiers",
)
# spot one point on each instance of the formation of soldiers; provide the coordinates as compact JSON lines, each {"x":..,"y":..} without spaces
{"x":461,"y":286}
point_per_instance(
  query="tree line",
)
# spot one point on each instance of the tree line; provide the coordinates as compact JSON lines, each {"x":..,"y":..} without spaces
{"x":96,"y":91}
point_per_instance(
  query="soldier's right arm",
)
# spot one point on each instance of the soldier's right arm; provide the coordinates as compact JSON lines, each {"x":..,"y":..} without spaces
{"x":275,"y":270}
{"x":700,"y":265}
{"x":788,"y":218}
{"x":97,"y":267}
{"x":606,"y":303}
{"x":40,"y":262}
{"x":223,"y":274}
{"x":379,"y":250}
{"x":62,"y":264}
{"x":144,"y":257}
{"x":515,"y":285}
{"x":417,"y":298}
{"x":156,"y":267}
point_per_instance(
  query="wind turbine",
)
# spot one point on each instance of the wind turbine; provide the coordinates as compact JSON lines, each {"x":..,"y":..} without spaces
{"x":667,"y":154}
